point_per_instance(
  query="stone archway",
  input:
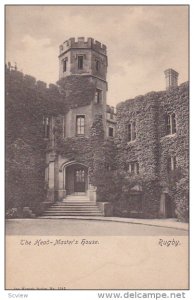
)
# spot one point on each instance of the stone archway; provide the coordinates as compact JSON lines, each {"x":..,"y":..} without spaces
{"x":74,"y":179}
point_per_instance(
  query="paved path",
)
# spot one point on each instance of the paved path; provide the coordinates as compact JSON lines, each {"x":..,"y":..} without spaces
{"x":81,"y":227}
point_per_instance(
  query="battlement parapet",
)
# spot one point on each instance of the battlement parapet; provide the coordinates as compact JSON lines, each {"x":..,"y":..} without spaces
{"x":14,"y":74}
{"x":53,"y":87}
{"x":82,"y":43}
{"x":41,"y":85}
{"x":26,"y":80}
{"x":29,"y":80}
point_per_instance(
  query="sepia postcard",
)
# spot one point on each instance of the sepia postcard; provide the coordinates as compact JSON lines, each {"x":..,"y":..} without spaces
{"x":97,"y":147}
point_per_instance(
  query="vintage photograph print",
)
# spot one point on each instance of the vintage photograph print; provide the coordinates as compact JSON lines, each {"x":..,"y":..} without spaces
{"x":97,"y":147}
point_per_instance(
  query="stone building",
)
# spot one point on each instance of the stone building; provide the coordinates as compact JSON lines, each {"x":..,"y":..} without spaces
{"x":129,"y":161}
{"x":153,"y":144}
{"x":82,"y":79}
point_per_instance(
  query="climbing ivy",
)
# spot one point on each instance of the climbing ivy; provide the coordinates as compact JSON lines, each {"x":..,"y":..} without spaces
{"x":27,"y":102}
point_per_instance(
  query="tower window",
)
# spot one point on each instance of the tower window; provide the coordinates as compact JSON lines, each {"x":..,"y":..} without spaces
{"x":132,"y":131}
{"x":134,"y":167}
{"x":97,"y":65}
{"x":64,"y":65}
{"x":80,"y":125}
{"x":110,"y":132}
{"x":98,"y":96}
{"x":170,"y":123}
{"x":80,"y":62}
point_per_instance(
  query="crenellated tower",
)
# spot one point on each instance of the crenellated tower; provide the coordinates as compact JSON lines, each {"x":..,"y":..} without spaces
{"x":82,"y":82}
{"x":83,"y":57}
{"x":83,"y":69}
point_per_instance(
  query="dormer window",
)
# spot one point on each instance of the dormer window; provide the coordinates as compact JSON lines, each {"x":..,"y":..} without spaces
{"x":80,"y":62}
{"x":131,"y":131}
{"x":170,"y":124}
{"x":98,"y":96}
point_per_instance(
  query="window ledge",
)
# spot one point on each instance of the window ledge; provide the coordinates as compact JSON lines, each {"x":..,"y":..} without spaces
{"x":132,"y":174}
{"x":168,"y":136}
{"x":131,"y":142}
{"x":111,"y":120}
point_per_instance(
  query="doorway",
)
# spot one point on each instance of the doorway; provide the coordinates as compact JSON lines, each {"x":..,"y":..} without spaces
{"x":79,"y":180}
{"x":168,"y":206}
{"x":76,"y":179}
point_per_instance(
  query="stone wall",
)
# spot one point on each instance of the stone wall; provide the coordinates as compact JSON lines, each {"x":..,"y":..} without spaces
{"x":78,"y":90}
{"x":177,"y":182}
{"x":94,"y":151}
{"x":91,"y":51}
{"x":152,"y":147}
{"x":27,"y":102}
{"x":175,"y":100}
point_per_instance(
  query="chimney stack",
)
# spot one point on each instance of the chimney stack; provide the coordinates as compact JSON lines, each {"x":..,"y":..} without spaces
{"x":171,"y":78}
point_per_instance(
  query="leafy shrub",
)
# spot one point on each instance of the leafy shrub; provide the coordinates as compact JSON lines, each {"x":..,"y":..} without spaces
{"x":12,"y":213}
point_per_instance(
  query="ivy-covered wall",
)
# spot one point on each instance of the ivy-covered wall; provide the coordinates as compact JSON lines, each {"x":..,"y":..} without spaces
{"x":27,"y":101}
{"x":94,"y":151}
{"x":152,"y":146}
{"x":108,"y":159}
{"x":78,"y":90}
{"x":175,"y":100}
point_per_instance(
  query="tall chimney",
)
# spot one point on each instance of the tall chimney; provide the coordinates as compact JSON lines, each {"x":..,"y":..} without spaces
{"x":171,"y":78}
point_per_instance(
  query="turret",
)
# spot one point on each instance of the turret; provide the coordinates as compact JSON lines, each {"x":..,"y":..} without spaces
{"x":82,"y":57}
{"x":82,"y":72}
{"x":171,"y":78}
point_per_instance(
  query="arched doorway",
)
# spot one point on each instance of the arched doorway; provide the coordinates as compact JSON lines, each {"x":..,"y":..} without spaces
{"x":76,"y":179}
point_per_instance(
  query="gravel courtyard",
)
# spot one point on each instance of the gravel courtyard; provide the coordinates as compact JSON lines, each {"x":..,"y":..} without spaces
{"x":74,"y":227}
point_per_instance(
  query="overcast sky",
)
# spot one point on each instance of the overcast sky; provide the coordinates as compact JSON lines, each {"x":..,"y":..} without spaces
{"x":142,"y":41}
